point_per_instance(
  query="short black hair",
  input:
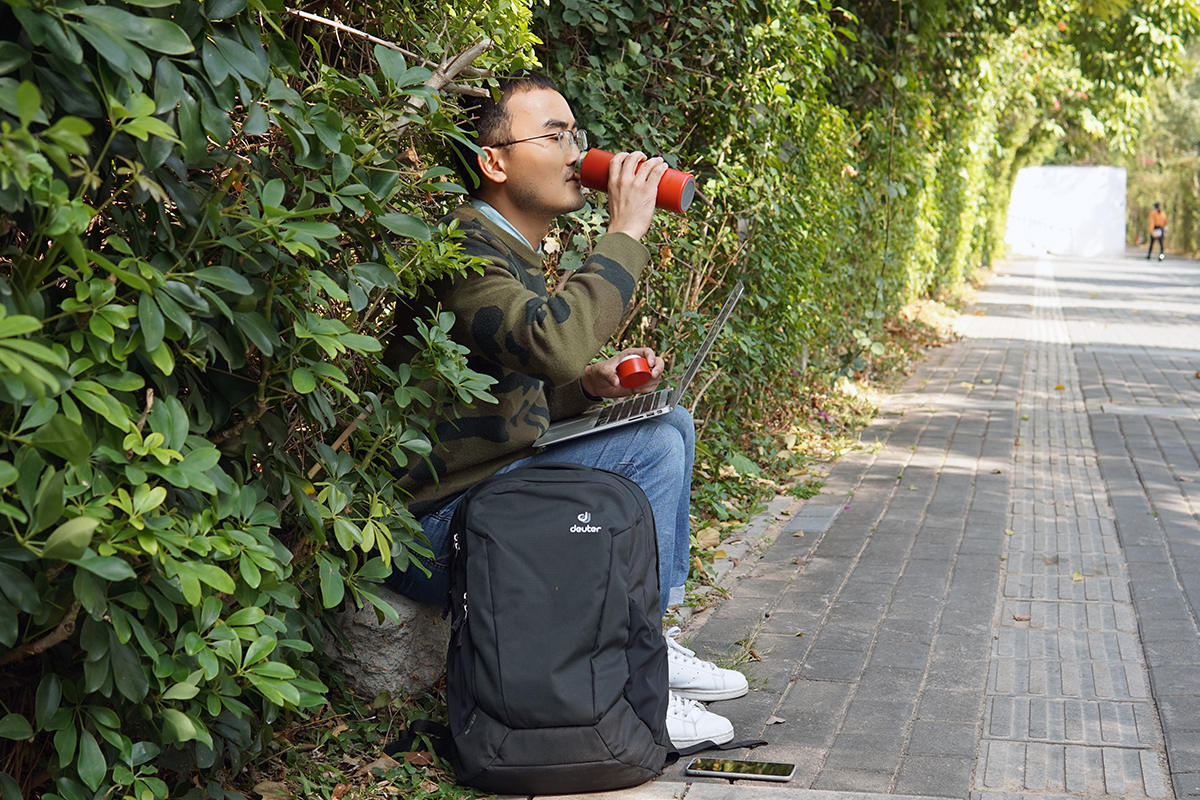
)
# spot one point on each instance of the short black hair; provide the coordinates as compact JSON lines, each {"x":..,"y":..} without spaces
{"x":487,"y":121}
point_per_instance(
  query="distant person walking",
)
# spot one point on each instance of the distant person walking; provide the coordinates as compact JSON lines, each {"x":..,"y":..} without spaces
{"x":1158,"y":230}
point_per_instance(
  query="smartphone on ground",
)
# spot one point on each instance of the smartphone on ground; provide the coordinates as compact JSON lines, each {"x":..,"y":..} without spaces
{"x":734,"y":769}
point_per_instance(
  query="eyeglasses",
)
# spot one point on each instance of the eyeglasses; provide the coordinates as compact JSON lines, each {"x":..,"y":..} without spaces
{"x":578,"y":137}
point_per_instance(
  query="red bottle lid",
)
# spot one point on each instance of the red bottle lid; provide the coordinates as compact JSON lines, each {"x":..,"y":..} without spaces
{"x":633,"y":370}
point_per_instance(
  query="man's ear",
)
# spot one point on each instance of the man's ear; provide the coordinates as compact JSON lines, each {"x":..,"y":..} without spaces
{"x":491,"y":165}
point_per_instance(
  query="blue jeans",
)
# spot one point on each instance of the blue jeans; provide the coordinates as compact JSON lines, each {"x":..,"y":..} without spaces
{"x":656,"y":454}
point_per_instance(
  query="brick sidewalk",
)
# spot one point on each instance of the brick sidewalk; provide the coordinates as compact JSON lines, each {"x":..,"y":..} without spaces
{"x":998,"y":597}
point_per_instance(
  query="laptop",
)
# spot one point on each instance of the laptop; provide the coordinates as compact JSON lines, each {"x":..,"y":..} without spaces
{"x":640,"y":406}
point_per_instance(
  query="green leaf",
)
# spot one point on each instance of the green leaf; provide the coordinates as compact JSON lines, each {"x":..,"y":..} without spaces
{"x":215,"y":577}
{"x":151,"y":320}
{"x":259,"y":649}
{"x":177,"y":725}
{"x":226,"y":278}
{"x":65,"y":741}
{"x":9,"y":789}
{"x":181,"y":691}
{"x":405,"y":225}
{"x":110,"y":568}
{"x":313,"y":228}
{"x":391,"y":62}
{"x":160,"y":35}
{"x":91,"y":764}
{"x":18,"y":325}
{"x":333,"y":588}
{"x":63,"y":438}
{"x":89,"y":593}
{"x":303,"y":381}
{"x":743,"y":465}
{"x":29,"y":102}
{"x":15,"y":726}
{"x":128,"y":674}
{"x":70,"y":539}
{"x":250,"y":615}
{"x":246,"y":62}
{"x":223,"y":9}
{"x":256,"y":328}
{"x":274,"y":669}
{"x":12,"y":56}
{"x":19,"y":589}
{"x":49,"y":697}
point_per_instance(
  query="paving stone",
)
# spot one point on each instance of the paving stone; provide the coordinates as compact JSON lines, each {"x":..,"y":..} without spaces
{"x":936,"y":776}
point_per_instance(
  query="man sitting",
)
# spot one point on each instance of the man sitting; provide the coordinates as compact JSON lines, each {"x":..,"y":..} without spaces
{"x":540,"y":349}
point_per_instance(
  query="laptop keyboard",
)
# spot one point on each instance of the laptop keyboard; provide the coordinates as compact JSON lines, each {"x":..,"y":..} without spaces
{"x":630,"y":406}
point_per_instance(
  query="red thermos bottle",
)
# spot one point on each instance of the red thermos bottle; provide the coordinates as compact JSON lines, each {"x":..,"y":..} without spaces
{"x":676,"y":190}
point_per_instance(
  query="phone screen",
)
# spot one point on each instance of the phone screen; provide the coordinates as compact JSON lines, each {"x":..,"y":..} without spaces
{"x":729,"y":766}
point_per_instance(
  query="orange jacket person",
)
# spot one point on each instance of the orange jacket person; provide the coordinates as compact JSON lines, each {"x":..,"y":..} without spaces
{"x":1158,"y":231}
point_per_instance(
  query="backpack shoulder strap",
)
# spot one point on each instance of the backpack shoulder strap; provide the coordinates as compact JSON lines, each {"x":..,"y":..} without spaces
{"x":673,"y":755}
{"x":435,"y":733}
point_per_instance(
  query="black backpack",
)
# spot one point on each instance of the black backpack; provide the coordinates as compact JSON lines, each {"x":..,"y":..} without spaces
{"x":556,"y":674}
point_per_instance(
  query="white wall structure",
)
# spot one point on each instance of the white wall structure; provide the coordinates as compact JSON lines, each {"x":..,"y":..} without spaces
{"x":1067,"y":211}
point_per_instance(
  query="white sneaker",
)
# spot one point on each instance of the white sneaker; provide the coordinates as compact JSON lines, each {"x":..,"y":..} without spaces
{"x":689,"y":723}
{"x":698,"y":679}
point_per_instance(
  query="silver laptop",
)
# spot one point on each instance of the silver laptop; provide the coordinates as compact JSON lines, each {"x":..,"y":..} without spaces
{"x":640,"y":406}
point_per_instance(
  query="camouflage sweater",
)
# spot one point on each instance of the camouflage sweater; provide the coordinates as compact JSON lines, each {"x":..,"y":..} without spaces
{"x":534,"y":344}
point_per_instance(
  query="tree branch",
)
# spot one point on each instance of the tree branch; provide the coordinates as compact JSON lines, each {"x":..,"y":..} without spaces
{"x":442,"y":76}
{"x":59,"y":634}
{"x":456,"y":88}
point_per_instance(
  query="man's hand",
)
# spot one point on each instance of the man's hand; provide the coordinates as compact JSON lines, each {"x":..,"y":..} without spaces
{"x":632,"y":186}
{"x":600,"y":379}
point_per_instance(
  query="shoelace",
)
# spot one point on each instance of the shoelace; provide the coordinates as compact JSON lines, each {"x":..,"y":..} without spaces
{"x":681,"y":705}
{"x":676,"y":647}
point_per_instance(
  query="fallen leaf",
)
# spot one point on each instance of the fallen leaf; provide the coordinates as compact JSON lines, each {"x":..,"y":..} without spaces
{"x":1050,"y":560}
{"x":997,"y":472}
{"x":966,"y":385}
{"x":1021,"y":617}
{"x":339,"y":791}
{"x":383,"y":763}
{"x":273,"y":790}
{"x":720,"y":554}
{"x":798,"y":634}
{"x":754,"y":656}
{"x":1009,"y":532}
{"x":1198,"y":373}
{"x":418,"y":759}
{"x":912,"y":487}
{"x":798,"y":533}
{"x":986,"y":380}
{"x":1077,"y":576}
{"x":776,"y":721}
{"x":708,"y":537}
{"x":981,"y":313}
{"x":1058,"y":387}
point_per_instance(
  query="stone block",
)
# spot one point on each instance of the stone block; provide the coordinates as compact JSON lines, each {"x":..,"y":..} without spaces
{"x":398,"y":657}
